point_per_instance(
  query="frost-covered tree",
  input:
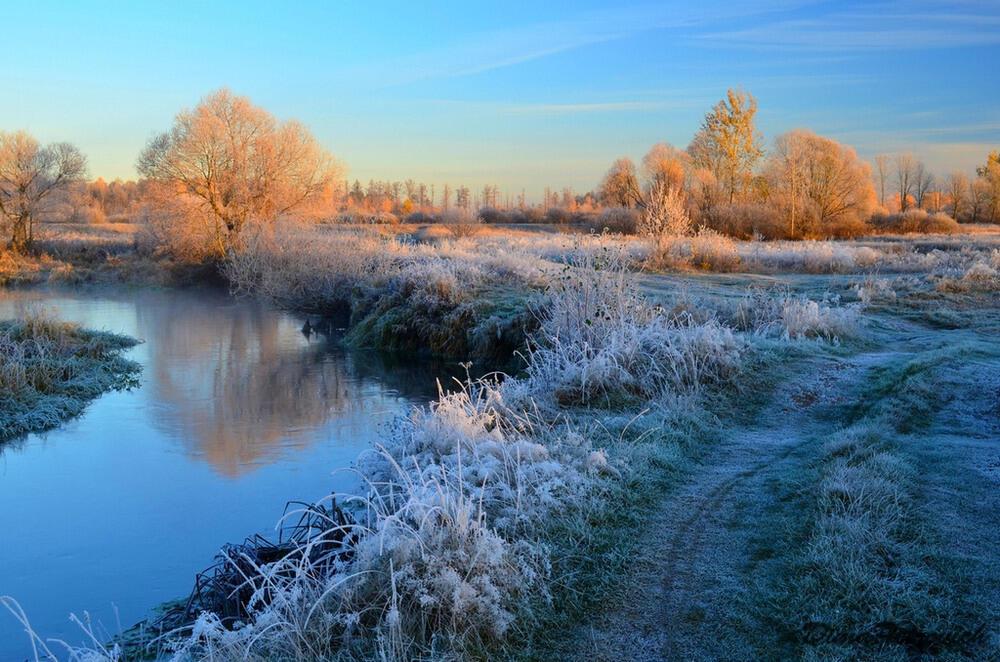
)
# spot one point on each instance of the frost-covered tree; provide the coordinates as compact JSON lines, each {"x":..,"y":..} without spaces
{"x":233,"y":163}
{"x":666,"y":164}
{"x":882,"y":174}
{"x":664,"y":211}
{"x":989,"y":175}
{"x":29,"y":175}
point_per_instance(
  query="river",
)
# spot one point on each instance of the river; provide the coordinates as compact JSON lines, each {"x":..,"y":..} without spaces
{"x":237,"y":413}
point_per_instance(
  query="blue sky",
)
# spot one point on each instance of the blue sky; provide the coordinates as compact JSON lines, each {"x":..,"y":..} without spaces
{"x":522,"y":94}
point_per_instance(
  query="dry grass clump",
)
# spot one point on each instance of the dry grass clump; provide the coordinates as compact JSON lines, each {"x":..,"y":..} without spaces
{"x":601,"y":341}
{"x":707,"y":250}
{"x":769,"y":312}
{"x":50,"y":370}
{"x":982,"y":276}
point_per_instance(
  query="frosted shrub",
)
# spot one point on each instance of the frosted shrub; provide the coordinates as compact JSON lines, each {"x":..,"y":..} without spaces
{"x":599,"y":339}
{"x":707,"y":250}
{"x":665,"y":212}
{"x":803,"y":318}
{"x":796,"y":317}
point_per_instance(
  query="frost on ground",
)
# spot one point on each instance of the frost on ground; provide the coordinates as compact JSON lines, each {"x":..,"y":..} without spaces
{"x":580,"y":487}
{"x":50,"y":370}
{"x":854,"y":519}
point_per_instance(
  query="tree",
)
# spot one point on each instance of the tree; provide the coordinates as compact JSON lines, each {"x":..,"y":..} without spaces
{"x":665,"y":164}
{"x":29,"y":175}
{"x":923,"y":180}
{"x":462,"y":198}
{"x":620,"y":186}
{"x":728,"y":144}
{"x":958,"y":189}
{"x":237,"y":163}
{"x":905,"y":174}
{"x":979,"y":200}
{"x":882,"y":172}
{"x":664,"y":211}
{"x":820,"y":179}
{"x":445,"y":197}
{"x":989,"y":174}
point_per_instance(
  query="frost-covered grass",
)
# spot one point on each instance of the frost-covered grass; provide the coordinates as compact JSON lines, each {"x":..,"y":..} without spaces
{"x":50,"y":370}
{"x":454,"y":554}
{"x":451,"y":297}
{"x":777,"y":312}
{"x":495,"y":508}
{"x":865,"y":582}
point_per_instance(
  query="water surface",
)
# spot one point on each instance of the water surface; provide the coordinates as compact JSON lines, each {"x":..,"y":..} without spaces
{"x":238,"y":412}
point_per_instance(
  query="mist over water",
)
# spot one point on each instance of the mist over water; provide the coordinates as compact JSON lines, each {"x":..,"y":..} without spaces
{"x":237,"y":412}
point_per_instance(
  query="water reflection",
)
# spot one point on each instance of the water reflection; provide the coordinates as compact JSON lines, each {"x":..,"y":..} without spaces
{"x":237,"y":412}
{"x":242,"y":388}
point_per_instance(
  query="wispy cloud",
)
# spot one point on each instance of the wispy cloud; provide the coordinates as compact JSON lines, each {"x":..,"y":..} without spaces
{"x":486,"y":51}
{"x":647,"y":101}
{"x":880,"y":26}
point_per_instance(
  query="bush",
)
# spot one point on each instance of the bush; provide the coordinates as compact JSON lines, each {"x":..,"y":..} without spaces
{"x":914,"y":221}
{"x":491,"y":215}
{"x":616,"y":219}
{"x":534,"y":215}
{"x":707,"y":250}
{"x":747,"y":221}
{"x":418,"y":217}
{"x":558,"y":215}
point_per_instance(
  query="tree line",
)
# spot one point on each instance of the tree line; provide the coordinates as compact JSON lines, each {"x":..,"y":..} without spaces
{"x":805,"y":186}
{"x":227,"y":164}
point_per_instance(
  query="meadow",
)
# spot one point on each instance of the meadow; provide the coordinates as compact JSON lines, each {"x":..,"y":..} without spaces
{"x":735,"y":403}
{"x":799,"y":387}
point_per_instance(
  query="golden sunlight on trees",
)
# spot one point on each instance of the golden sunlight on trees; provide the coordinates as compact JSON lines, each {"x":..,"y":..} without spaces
{"x":29,"y":175}
{"x":728,"y":144}
{"x":821,"y":187}
{"x":989,"y":175}
{"x":228,"y":163}
{"x":906,"y":167}
{"x":620,"y":187}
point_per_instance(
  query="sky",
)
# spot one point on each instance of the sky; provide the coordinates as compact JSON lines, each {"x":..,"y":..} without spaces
{"x":519,"y":94}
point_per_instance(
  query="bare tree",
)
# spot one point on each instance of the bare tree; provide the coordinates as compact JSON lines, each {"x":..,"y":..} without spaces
{"x":620,"y":186}
{"x":958,"y":189}
{"x":665,"y":163}
{"x":905,"y":175}
{"x":728,"y":143}
{"x":29,"y":175}
{"x":979,"y":200}
{"x":923,"y":180}
{"x":810,"y":172}
{"x":462,"y":198}
{"x":882,"y":172}
{"x":445,"y":197}
{"x":238,"y":163}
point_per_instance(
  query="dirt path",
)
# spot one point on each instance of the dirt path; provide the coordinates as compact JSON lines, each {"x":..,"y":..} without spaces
{"x":690,"y":593}
{"x":693,"y":592}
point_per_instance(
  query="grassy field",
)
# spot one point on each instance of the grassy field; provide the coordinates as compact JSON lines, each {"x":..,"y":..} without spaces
{"x":701,"y":448}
